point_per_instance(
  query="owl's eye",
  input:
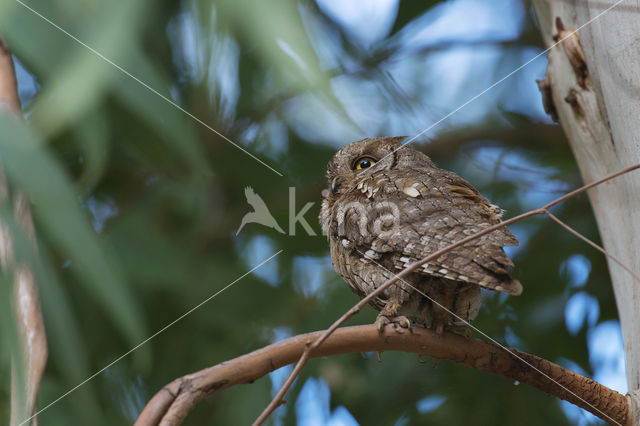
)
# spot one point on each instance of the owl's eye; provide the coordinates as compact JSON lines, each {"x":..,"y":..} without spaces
{"x":364,"y":163}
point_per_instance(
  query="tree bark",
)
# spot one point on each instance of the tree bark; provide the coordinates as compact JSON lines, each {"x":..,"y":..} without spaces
{"x":593,"y":88}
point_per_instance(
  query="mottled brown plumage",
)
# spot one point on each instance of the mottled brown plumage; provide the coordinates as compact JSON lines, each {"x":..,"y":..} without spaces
{"x":382,"y":217}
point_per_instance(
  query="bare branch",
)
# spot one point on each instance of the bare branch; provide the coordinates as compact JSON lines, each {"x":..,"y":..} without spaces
{"x":594,"y":245}
{"x":171,"y":405}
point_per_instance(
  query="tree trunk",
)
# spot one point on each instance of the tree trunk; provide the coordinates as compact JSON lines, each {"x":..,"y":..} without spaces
{"x":593,"y":88}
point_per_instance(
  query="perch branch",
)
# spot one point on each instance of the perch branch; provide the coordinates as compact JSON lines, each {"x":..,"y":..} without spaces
{"x":25,"y":292}
{"x":171,"y":405}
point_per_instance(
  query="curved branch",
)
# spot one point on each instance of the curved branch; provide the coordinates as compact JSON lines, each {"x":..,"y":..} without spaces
{"x":172,"y":404}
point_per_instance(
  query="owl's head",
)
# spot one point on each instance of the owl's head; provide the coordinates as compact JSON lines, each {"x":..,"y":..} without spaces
{"x":363,"y":159}
{"x":367,"y":156}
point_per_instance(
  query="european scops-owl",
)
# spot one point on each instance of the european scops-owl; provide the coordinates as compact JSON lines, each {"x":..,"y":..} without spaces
{"x":387,"y":206}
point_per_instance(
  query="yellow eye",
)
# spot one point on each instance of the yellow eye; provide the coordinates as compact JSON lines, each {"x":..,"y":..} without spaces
{"x":364,"y":163}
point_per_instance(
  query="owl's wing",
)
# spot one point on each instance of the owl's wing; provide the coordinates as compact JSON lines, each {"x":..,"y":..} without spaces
{"x":405,"y":219}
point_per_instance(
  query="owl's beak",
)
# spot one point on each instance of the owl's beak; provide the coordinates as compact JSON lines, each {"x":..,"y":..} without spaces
{"x":335,"y":185}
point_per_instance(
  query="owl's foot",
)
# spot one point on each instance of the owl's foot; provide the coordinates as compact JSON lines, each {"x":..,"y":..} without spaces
{"x":383,"y":320}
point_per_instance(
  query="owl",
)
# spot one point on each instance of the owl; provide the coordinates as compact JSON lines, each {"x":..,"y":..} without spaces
{"x":387,"y":206}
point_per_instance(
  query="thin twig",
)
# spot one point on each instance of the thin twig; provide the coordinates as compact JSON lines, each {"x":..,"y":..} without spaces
{"x":277,"y":400}
{"x":594,"y":245}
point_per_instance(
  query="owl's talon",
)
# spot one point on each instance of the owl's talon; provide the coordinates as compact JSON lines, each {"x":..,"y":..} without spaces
{"x":400,"y":320}
{"x":381,"y":323}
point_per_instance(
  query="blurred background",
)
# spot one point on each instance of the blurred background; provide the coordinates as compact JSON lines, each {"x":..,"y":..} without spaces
{"x":137,"y":204}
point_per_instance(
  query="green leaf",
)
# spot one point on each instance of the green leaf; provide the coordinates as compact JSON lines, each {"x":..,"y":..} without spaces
{"x":92,"y":137}
{"x":31,"y":168}
{"x":172,"y":125}
{"x":90,"y":64}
